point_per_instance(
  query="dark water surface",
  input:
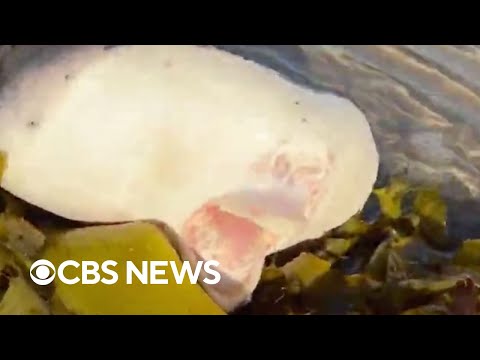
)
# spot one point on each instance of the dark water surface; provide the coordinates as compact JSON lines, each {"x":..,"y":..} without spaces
{"x":422,"y":101}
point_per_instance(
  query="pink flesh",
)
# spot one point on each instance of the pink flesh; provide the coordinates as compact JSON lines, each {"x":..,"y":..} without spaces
{"x":238,"y":243}
{"x":227,"y":238}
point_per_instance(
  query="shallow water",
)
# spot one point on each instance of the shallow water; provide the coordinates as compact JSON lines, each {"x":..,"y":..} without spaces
{"x":422,"y":101}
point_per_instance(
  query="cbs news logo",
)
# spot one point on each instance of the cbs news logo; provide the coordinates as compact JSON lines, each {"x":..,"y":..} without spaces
{"x":43,"y":272}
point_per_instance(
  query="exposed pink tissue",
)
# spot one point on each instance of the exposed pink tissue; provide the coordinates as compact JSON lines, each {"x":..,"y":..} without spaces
{"x":238,"y":242}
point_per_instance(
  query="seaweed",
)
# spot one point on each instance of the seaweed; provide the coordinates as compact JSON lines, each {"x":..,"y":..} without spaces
{"x":399,"y":262}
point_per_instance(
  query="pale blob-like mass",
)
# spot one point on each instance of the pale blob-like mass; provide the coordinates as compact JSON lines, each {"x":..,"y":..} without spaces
{"x":239,"y":161}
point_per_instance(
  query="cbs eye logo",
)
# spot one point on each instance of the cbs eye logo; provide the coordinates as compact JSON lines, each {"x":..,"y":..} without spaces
{"x":42,"y":272}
